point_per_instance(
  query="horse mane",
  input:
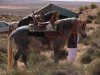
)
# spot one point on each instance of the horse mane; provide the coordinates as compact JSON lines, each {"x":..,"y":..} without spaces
{"x":65,"y":24}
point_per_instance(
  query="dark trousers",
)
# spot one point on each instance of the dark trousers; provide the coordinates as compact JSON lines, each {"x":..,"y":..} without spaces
{"x":72,"y":41}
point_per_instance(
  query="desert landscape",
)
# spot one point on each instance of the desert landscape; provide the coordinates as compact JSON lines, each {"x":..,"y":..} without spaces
{"x":88,"y":55}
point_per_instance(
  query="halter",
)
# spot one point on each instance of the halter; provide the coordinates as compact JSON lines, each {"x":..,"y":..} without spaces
{"x":74,"y":32}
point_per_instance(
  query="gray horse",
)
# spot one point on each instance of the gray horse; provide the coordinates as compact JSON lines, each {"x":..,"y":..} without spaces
{"x":23,"y":41}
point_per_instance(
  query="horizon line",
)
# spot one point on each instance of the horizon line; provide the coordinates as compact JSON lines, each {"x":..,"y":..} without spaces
{"x":72,"y":0}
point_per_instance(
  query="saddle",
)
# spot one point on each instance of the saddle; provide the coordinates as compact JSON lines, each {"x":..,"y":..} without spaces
{"x":41,"y":32}
{"x":42,"y":26}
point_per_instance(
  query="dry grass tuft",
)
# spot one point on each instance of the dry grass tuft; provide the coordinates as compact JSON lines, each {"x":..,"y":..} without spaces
{"x":94,"y":67}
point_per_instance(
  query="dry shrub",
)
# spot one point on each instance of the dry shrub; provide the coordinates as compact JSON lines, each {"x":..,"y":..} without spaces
{"x":10,"y":18}
{"x":97,"y":21}
{"x":3,"y":57}
{"x":85,"y":58}
{"x":90,"y":18}
{"x":96,"y":38}
{"x":93,"y":5}
{"x":19,"y":72}
{"x":87,"y":40}
{"x":48,"y":68}
{"x":94,"y":67}
{"x":3,"y":42}
{"x":36,"y":58}
{"x":3,"y":62}
{"x":3,"y":50}
{"x":89,"y":55}
{"x":81,"y":8}
{"x":93,"y":39}
{"x":86,"y":7}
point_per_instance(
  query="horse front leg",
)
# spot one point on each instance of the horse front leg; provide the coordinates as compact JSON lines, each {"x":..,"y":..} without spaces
{"x":56,"y":55}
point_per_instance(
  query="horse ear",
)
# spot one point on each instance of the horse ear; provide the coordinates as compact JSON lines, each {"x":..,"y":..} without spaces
{"x":33,"y":13}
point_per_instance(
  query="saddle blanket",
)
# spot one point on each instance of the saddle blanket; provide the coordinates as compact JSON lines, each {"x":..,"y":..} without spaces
{"x":48,"y":34}
{"x":36,"y":33}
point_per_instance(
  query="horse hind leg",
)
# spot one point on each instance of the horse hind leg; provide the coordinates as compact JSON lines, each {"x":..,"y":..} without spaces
{"x":16,"y":57}
{"x":25,"y":57}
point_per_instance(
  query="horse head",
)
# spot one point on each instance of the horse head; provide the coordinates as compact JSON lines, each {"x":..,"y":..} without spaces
{"x":65,"y":27}
{"x":81,"y":27}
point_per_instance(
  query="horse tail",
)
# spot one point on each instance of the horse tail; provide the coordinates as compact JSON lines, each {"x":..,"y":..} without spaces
{"x":10,"y":53}
{"x":9,"y":31}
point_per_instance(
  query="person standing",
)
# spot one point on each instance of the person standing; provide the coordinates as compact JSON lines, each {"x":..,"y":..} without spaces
{"x":72,"y":47}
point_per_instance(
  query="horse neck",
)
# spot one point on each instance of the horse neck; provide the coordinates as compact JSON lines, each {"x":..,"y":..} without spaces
{"x":64,"y":28}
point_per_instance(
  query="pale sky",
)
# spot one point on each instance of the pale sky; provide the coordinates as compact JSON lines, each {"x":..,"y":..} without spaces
{"x":76,"y":0}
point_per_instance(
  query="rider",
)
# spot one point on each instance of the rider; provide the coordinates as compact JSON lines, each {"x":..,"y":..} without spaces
{"x":72,"y":46}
